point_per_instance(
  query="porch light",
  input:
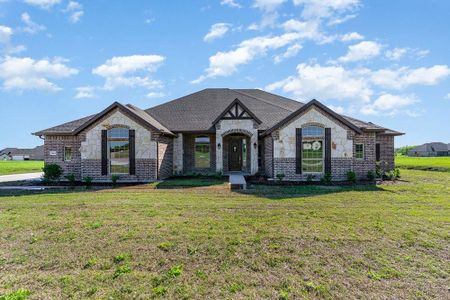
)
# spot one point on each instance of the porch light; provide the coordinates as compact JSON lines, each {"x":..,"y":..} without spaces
{"x":255,"y":145}
{"x":218,"y":146}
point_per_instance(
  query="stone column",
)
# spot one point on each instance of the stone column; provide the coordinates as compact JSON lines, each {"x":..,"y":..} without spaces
{"x":254,"y":153}
{"x":219,"y":151}
{"x":178,"y":154}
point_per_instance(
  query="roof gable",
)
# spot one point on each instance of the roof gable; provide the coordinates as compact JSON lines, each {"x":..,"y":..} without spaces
{"x":236,"y":111}
{"x":303,"y":109}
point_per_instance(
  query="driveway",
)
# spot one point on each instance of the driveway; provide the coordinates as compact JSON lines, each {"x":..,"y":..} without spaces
{"x":18,"y":177}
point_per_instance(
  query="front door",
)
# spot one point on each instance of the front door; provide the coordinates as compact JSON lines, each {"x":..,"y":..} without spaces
{"x":235,"y":154}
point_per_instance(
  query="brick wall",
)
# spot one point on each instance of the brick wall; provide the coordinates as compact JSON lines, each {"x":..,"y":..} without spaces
{"x":145,"y":170}
{"x":362,"y":166}
{"x":387,"y":152}
{"x":189,"y":154}
{"x":57,"y":144}
{"x":268,"y":156}
{"x":165,"y":157}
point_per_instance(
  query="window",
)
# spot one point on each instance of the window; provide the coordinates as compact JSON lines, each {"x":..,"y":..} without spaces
{"x":67,"y":153}
{"x":119,"y":154}
{"x":312,"y":149}
{"x":359,"y":151}
{"x":202,"y":152}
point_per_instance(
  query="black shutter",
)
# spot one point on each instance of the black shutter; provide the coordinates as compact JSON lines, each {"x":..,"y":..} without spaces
{"x":328,"y":150}
{"x":104,"y":152}
{"x":132,"y":150}
{"x":298,"y":150}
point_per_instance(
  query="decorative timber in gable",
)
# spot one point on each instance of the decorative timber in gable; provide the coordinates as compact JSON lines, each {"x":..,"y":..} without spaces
{"x":236,"y":111}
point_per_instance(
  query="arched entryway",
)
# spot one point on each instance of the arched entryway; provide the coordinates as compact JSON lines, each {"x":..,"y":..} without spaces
{"x":236,"y":153}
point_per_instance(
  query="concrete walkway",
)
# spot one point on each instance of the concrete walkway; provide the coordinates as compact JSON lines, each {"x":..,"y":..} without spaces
{"x":237,"y":182}
{"x":19,"y":177}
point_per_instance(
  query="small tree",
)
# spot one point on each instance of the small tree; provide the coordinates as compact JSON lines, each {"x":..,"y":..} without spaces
{"x":114,"y":179}
{"x":88,"y":181}
{"x":371,"y":175}
{"x":326,"y":178}
{"x":71,"y":179}
{"x":351,"y":176}
{"x":52,"y":172}
{"x":280,"y":176}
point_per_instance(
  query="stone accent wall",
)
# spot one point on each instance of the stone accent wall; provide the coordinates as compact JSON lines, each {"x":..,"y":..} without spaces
{"x":178,"y":154}
{"x":189,"y":154}
{"x":268,"y":156}
{"x":56,"y":144}
{"x":387,"y":152}
{"x":145,"y":170}
{"x":165,"y":157}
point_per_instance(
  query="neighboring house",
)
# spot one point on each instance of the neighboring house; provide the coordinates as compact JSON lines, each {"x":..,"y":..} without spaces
{"x":36,"y":153}
{"x":219,"y":130}
{"x":431,"y":149}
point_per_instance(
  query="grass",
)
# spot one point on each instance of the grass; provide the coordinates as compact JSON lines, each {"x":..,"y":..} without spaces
{"x":388,"y":241}
{"x":440,"y":163}
{"x":189,"y":183}
{"x":8,"y":167}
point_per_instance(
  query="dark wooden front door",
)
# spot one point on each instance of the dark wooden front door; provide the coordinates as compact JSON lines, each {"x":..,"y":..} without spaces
{"x":235,"y":154}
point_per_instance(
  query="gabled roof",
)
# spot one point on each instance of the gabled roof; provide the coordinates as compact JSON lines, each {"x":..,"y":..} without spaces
{"x":199,"y":111}
{"x":307,"y":106}
{"x":432,"y":147}
{"x":77,"y":126}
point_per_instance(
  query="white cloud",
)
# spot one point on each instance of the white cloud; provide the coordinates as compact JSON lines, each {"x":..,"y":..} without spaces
{"x":329,"y":82}
{"x":340,"y":20}
{"x":290,"y":52}
{"x":75,"y":10}
{"x":268,"y":5}
{"x":25,"y":73}
{"x":230,"y":3}
{"x":5,"y":34}
{"x":337,"y":109}
{"x":326,"y":8}
{"x":121,"y":71}
{"x":227,"y":63}
{"x":361,"y":51}
{"x":388,"y":104}
{"x":85,"y":92}
{"x":448,"y":96}
{"x":396,"y":53}
{"x":268,"y":20}
{"x":351,"y":37}
{"x":216,"y":31}
{"x":30,"y":26}
{"x":404,"y":77}
{"x":155,"y":95}
{"x":44,"y":4}
{"x":5,"y":41}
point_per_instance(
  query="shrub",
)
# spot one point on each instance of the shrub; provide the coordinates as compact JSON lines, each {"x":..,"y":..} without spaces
{"x":114,"y":179}
{"x":71,"y":179}
{"x":326,"y":178}
{"x":310,"y":178}
{"x":88,"y":180}
{"x":371,"y":175}
{"x":351,"y":176}
{"x":52,"y":172}
{"x":280,"y":176}
{"x":396,"y":173}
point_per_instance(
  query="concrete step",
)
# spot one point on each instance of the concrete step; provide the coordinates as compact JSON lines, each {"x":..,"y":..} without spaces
{"x":237,"y":182}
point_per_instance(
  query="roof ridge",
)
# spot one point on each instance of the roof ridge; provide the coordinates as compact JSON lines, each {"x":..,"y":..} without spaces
{"x":263,"y":100}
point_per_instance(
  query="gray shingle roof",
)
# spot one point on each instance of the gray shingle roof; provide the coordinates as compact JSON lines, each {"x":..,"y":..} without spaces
{"x":197,"y":112}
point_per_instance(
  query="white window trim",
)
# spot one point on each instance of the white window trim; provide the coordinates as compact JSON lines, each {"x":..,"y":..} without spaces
{"x":64,"y":154}
{"x":363,"y":151}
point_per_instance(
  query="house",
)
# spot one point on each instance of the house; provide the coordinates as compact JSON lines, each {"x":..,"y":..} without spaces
{"x":431,"y":149}
{"x":36,"y":153}
{"x":219,"y":130}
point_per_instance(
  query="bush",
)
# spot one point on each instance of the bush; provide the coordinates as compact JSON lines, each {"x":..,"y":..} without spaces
{"x":71,"y":179}
{"x":114,"y":179}
{"x":326,"y":178}
{"x":396,"y":173}
{"x":310,"y":178}
{"x":87,"y":180}
{"x":280,"y":176}
{"x":371,"y":175}
{"x":52,"y":172}
{"x":351,"y":176}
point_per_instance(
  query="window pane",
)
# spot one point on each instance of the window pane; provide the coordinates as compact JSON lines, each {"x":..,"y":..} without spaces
{"x":119,"y":151}
{"x":202,"y":152}
{"x":313,"y":131}
{"x":67,"y":153}
{"x":118,"y":133}
{"x":312,"y":156}
{"x":359,"y":151}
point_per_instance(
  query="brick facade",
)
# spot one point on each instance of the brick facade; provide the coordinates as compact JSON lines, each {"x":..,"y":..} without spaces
{"x":165,"y":157}
{"x":145,"y":171}
{"x":56,"y":144}
{"x":387,"y":151}
{"x":189,"y":154}
{"x":268,"y":156}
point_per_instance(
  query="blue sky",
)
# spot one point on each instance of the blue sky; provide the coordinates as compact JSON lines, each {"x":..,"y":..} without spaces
{"x":380,"y":61}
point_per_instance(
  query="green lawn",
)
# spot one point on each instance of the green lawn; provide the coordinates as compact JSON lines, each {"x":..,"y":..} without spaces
{"x":441,"y":163}
{"x":369,"y":242}
{"x":8,"y":167}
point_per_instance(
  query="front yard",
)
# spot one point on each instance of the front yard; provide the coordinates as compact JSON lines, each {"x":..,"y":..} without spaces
{"x":440,"y":163}
{"x":8,"y":167}
{"x":389,"y":241}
